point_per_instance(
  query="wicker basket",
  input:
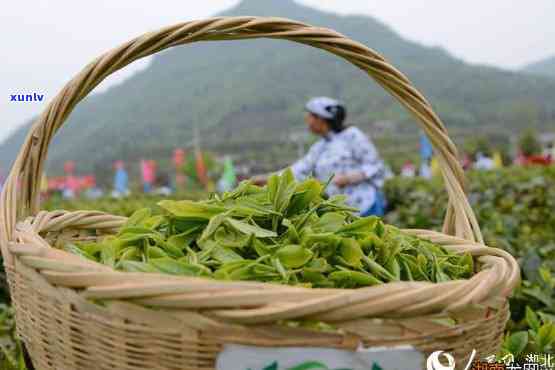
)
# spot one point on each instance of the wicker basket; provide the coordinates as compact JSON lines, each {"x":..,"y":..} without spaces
{"x":156,"y":321}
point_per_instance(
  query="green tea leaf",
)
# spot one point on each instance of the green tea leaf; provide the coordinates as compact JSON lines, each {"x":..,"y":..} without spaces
{"x":129,"y":253}
{"x":546,"y":337}
{"x":187,"y":226}
{"x":138,"y":217}
{"x":91,"y":249}
{"x":227,"y":269}
{"x":280,"y":269}
{"x":135,"y":266}
{"x":170,"y":248}
{"x":224,"y":255}
{"x":292,"y":234}
{"x":213,"y":225}
{"x":353,"y":279}
{"x":108,"y":253}
{"x":250,"y":207}
{"x":318,"y":265}
{"x":294,"y":256}
{"x":231,"y":238}
{"x":155,"y":252}
{"x":153,"y":222}
{"x":72,"y":248}
{"x":362,"y":226}
{"x":378,"y":269}
{"x":305,"y":194}
{"x":316,"y":278}
{"x":330,"y":222}
{"x":516,"y":343}
{"x":395,"y":269}
{"x":280,"y":190}
{"x":186,"y":209}
{"x":182,"y":240}
{"x":261,"y":249}
{"x":249,"y":229}
{"x":532,"y":319}
{"x":170,"y":266}
{"x":351,"y":252}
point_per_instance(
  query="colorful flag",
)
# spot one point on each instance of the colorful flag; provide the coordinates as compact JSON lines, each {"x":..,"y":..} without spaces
{"x":497,"y":160}
{"x":179,"y":161}
{"x":178,"y":157}
{"x":434,"y":165}
{"x":426,"y":149}
{"x":201,"y":168}
{"x":121,"y":179}
{"x":69,"y":167}
{"x":229,"y":178}
{"x":43,"y":183}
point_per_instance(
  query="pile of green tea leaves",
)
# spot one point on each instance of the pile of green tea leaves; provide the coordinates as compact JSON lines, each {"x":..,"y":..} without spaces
{"x":285,"y":232}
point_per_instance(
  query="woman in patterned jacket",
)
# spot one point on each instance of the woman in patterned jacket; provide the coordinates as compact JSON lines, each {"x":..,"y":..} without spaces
{"x":345,"y":152}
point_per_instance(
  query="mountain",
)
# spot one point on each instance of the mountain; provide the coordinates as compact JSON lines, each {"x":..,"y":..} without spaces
{"x":247,"y":97}
{"x":544,"y":67}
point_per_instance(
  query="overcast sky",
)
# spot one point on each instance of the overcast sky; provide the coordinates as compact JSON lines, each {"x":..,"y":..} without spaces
{"x":45,"y":42}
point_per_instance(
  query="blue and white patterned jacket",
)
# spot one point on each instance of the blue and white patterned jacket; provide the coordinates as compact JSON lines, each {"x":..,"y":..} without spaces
{"x":340,"y":153}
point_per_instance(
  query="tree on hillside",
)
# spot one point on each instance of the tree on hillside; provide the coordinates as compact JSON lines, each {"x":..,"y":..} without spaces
{"x":529,"y":143}
{"x":474,"y":146}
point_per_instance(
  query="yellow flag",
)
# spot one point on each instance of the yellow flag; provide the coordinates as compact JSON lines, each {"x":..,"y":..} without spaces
{"x":434,"y":165}
{"x":43,"y":184}
{"x":210,"y":186}
{"x":497,"y":160}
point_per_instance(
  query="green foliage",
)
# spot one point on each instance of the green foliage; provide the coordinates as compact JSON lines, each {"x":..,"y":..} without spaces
{"x":489,"y":144}
{"x":529,"y":143}
{"x":11,"y":356}
{"x":515,"y":209}
{"x":513,"y":205}
{"x":478,"y":145}
{"x":539,"y":338}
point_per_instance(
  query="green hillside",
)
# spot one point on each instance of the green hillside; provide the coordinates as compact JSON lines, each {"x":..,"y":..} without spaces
{"x":247,"y":96}
{"x":544,"y":67}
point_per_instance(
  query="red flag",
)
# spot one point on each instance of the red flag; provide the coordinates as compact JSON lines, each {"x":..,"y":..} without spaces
{"x":178,"y":157}
{"x":201,"y":168}
{"x":69,"y":167}
{"x":179,"y":161}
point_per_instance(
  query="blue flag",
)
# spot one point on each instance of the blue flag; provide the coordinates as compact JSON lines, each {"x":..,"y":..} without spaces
{"x":426,"y":150}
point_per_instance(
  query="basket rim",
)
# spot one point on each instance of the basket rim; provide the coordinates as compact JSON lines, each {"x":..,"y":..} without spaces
{"x":424,"y":333}
{"x":257,"y":302}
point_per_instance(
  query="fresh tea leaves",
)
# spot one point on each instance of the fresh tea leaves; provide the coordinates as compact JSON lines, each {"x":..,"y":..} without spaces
{"x":286,"y":232}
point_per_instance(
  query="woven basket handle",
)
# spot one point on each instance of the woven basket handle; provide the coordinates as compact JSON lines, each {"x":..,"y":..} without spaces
{"x":21,"y":192}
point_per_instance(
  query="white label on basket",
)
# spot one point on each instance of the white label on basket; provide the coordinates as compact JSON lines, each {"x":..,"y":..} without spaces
{"x":237,"y":357}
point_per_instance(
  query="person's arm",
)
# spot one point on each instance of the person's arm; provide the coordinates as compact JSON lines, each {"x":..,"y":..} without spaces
{"x":304,"y":167}
{"x":301,"y":169}
{"x":366,"y":154}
